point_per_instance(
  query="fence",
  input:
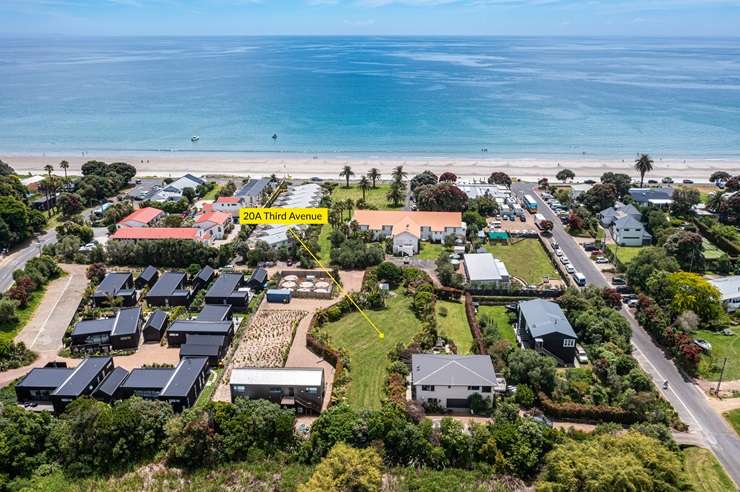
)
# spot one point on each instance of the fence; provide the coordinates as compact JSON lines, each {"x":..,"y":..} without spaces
{"x":473,"y":323}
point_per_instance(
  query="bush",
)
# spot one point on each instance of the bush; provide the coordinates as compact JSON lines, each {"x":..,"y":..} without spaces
{"x":524,"y":396}
{"x":14,"y":355}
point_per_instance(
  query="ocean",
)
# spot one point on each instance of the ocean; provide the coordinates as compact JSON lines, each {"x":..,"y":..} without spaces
{"x":397,"y":95}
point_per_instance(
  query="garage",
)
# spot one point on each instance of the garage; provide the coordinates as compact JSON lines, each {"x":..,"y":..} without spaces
{"x":457,"y":403}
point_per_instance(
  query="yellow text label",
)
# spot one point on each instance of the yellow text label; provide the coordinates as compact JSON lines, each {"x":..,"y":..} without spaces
{"x":284,"y":216}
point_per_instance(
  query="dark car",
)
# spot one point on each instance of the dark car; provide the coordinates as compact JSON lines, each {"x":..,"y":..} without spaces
{"x":688,"y":181}
{"x":618,"y":281}
{"x":589,"y":182}
{"x":590,"y":247}
{"x":652,"y":181}
{"x":624,"y":289}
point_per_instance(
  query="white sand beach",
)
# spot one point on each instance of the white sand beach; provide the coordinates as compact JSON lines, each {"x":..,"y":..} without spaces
{"x":328,"y":166}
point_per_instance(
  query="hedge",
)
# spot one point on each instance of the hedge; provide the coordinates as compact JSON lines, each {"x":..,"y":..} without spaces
{"x":578,"y":411}
{"x":473,"y":323}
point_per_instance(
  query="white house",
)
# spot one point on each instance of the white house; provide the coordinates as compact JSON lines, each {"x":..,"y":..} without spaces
{"x":173,"y":191}
{"x":228,"y":204}
{"x":447,"y":381}
{"x":213,"y":224}
{"x":485,"y":271}
{"x":628,"y":231}
{"x":143,"y":217}
{"x":408,"y":228}
{"x":729,"y":289}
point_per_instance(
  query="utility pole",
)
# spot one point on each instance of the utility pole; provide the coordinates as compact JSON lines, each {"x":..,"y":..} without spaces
{"x":721,"y":374}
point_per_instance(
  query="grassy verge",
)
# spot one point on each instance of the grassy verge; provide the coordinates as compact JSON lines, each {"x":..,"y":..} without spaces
{"x":431,"y":251}
{"x":525,"y":259}
{"x":499,"y":315}
{"x":8,"y":331}
{"x":367,"y":351}
{"x":210,"y":388}
{"x":455,"y":325}
{"x":722,"y":346}
{"x":733,"y":417}
{"x":705,"y":472}
{"x":324,"y":243}
{"x":625,"y":253}
{"x":373,"y":196}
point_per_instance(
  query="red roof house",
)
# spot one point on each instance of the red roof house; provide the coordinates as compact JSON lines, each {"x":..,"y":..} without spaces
{"x":142,"y":217}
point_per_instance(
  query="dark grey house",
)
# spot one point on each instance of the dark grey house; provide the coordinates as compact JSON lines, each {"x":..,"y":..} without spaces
{"x":106,"y":390}
{"x":147,"y":277}
{"x":186,"y":383}
{"x":122,"y":331}
{"x":213,"y":347}
{"x":251,"y":192}
{"x":258,"y":280}
{"x":659,"y":197}
{"x":215,"y":312}
{"x":229,"y":288}
{"x":115,"y":285}
{"x":299,"y":388}
{"x":155,"y":326}
{"x":179,"y":330}
{"x":145,"y":382}
{"x":203,"y":278}
{"x":170,"y":290}
{"x":542,"y":326}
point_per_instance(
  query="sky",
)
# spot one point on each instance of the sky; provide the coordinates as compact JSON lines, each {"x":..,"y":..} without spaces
{"x":372,"y":17}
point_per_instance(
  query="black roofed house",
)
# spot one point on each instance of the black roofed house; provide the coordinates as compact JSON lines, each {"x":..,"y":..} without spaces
{"x":119,"y":332}
{"x":542,"y":326}
{"x":214,"y":312}
{"x":212,"y":346}
{"x":658,"y":197}
{"x":147,"y":277}
{"x":115,"y":285}
{"x":258,"y":280}
{"x":169,"y":290}
{"x":145,"y":382}
{"x":186,"y":383}
{"x":229,"y":288}
{"x":203,"y":278}
{"x":37,"y":386}
{"x":106,"y":390}
{"x":126,"y":331}
{"x":180,"y":329}
{"x":155,"y":326}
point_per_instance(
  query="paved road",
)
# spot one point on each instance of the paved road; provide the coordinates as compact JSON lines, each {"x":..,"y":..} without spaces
{"x":685,"y":396}
{"x":19,"y":258}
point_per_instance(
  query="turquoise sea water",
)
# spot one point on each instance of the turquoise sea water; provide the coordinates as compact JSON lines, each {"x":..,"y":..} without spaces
{"x":513,"y":96}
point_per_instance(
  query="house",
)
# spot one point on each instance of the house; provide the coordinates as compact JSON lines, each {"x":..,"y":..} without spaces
{"x":147,"y":277}
{"x":155,"y":326}
{"x":119,"y":332}
{"x":212,"y":320}
{"x":299,"y":388}
{"x":251,"y":192}
{"x":484,"y":271}
{"x":115,"y":285}
{"x":302,"y":196}
{"x":448,"y":381}
{"x":479,"y":190}
{"x":628,"y":231}
{"x":59,"y":386}
{"x":215,"y":312}
{"x":144,"y":382}
{"x":229,"y":288}
{"x":659,"y":197}
{"x":228,"y":204}
{"x":32,"y":183}
{"x":106,"y":390}
{"x":619,"y":210}
{"x":213,"y":347}
{"x":160,"y":233}
{"x":203,"y":278}
{"x":578,"y":189}
{"x":173,"y":191}
{"x":542,"y":326}
{"x":408,"y":228}
{"x":45,"y":203}
{"x":729,"y":289}
{"x":143,"y":217}
{"x":170,"y":290}
{"x":214,"y":223}
{"x":258,"y":280}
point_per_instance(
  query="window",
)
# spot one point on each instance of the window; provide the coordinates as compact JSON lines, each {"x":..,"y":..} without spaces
{"x":312,"y":390}
{"x":473,"y":388}
{"x":425,"y":387}
{"x":569,"y":342}
{"x":485,"y":389}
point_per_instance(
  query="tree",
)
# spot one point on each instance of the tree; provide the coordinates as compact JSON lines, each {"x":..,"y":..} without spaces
{"x":448,"y":177}
{"x":374,"y":175}
{"x":389,"y":272}
{"x":564,"y":175}
{"x":611,"y":463}
{"x":444,"y":197}
{"x":530,"y":368}
{"x":733,"y":184}
{"x":364,"y":186}
{"x":643,"y":165}
{"x":424,"y":178}
{"x":6,"y":169}
{"x":683,"y":200}
{"x":346,"y":173}
{"x":23,"y":435}
{"x":396,"y":193}
{"x":499,"y":178}
{"x":15,"y":215}
{"x":191,"y":441}
{"x":8,"y":310}
{"x":96,"y":273}
{"x":648,"y":261}
{"x":123,"y":169}
{"x":94,"y":167}
{"x":599,"y":197}
{"x":64,"y":165}
{"x":399,"y":174}
{"x":688,"y":249}
{"x":189,"y":193}
{"x":622,"y":182}
{"x":47,"y":188}
{"x":344,"y":469}
{"x":70,"y":204}
{"x":685,"y":291}
{"x":719,"y":176}
{"x":227,"y":190}
{"x":337,"y":424}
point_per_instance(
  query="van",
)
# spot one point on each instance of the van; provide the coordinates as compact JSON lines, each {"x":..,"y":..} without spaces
{"x":579,"y":278}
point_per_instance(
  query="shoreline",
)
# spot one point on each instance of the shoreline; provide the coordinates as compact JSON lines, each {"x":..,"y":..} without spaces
{"x":323,"y":165}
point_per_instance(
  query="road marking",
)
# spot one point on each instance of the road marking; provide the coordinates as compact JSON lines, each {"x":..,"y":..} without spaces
{"x":53,"y":308}
{"x":359,"y":309}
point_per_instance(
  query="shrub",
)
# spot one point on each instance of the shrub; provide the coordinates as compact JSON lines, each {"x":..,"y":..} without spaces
{"x":524,"y":396}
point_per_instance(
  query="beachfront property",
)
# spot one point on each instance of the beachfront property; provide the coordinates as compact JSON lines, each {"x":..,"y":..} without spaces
{"x":293,"y":387}
{"x":408,"y":228}
{"x":212,"y":320}
{"x":32,"y":183}
{"x":161,"y":233}
{"x":115,"y":285}
{"x":578,"y":189}
{"x":478,"y":190}
{"x":485,"y":271}
{"x":657,"y":197}
{"x":143,"y":217}
{"x":227,"y":205}
{"x":229,"y":288}
{"x":448,"y":381}
{"x":119,"y":332}
{"x":624,"y":223}
{"x":542,"y":326}
{"x":173,"y":191}
{"x":214,"y":224}
{"x":729,"y":289}
{"x":252,"y":191}
{"x":608,"y":216}
{"x":302,"y":196}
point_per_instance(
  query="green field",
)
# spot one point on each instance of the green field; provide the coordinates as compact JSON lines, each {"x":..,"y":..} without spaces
{"x":373,"y":196}
{"x":733,"y":417}
{"x":8,"y":331}
{"x":431,"y":251}
{"x":722,"y":346}
{"x":625,"y":254}
{"x":501,"y":317}
{"x":525,"y":259}
{"x":367,"y":352}
{"x":705,"y":472}
{"x":455,"y":325}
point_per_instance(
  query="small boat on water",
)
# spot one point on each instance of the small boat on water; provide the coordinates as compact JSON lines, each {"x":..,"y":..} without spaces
{"x":194,"y":138}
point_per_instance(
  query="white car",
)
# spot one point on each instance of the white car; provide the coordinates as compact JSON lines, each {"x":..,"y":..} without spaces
{"x":581,"y":354}
{"x":559,"y":252}
{"x":601,"y":259}
{"x":570,"y":269}
{"x":564,"y":260}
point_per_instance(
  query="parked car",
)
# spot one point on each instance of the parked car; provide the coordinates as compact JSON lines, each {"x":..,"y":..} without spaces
{"x":624,"y":289}
{"x":522,"y":218}
{"x":667,"y":180}
{"x":554,"y":244}
{"x":581,"y":355}
{"x":703,"y":344}
{"x":570,"y":269}
{"x":688,"y":181}
{"x":315,"y":179}
{"x":564,"y":260}
{"x":589,"y":246}
{"x":632,"y":303}
{"x":652,"y":181}
{"x":601,"y":259}
{"x":559,"y":252}
{"x":619,"y":281}
{"x":589,"y":182}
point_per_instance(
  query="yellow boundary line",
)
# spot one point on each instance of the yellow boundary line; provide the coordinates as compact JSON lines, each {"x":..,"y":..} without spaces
{"x":339,"y":286}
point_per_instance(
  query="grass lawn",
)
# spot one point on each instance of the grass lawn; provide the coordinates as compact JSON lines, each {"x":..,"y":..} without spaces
{"x":711,"y":252}
{"x":374,"y":196}
{"x":501,"y":317}
{"x":525,"y":259}
{"x":367,"y":351}
{"x":733,"y":417}
{"x":211,"y":195}
{"x":722,"y":346}
{"x":8,"y":331}
{"x":705,"y":472}
{"x":455,"y":325}
{"x":625,"y":253}
{"x":431,"y":251}
{"x":324,"y":244}
{"x":210,"y":387}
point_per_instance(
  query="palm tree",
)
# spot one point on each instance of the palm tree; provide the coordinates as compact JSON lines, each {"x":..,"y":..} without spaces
{"x":364,"y":185}
{"x":399,"y":174}
{"x":349,"y":205}
{"x":374,"y":175}
{"x":48,"y":168}
{"x":396,"y":194}
{"x":64,"y":165}
{"x":346,"y":173}
{"x":643,"y":164}
{"x":715,"y":201}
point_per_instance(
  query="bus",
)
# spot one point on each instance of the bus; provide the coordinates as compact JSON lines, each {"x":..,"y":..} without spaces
{"x":530,"y":204}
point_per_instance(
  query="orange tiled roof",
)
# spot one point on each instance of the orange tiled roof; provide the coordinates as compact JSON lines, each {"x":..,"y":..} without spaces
{"x":144,"y":215}
{"x":156,"y":233}
{"x":404,"y":220}
{"x":216,"y":217}
{"x":227,"y":199}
